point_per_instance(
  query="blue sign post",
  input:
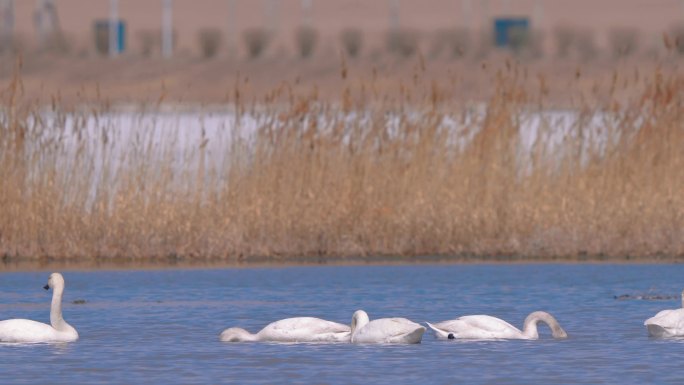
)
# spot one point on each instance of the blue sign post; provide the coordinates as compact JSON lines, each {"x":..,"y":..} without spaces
{"x":504,"y":26}
{"x":102,"y":38}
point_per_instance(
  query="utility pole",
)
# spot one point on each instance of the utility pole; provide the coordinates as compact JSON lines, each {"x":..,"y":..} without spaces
{"x":232,"y":28}
{"x":484,"y":10}
{"x":271,"y":15}
{"x":506,"y":7}
{"x":7,"y":31}
{"x":40,"y":19}
{"x":539,"y":14}
{"x":113,"y":28}
{"x":167,"y":28}
{"x":306,"y":12}
{"x":394,"y":14}
{"x":466,"y":13}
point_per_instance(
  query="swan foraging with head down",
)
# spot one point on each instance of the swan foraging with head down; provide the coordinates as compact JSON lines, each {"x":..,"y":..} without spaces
{"x":667,"y":323}
{"x":384,"y":330}
{"x":298,"y":329}
{"x":488,"y":327}
{"x":28,"y":331}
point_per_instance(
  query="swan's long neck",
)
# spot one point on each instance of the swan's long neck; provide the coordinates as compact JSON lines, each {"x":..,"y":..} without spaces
{"x":530,"y":326}
{"x":359,"y":320}
{"x":683,"y":298}
{"x":238,"y":335}
{"x":56,"y":319}
{"x":249,"y":337}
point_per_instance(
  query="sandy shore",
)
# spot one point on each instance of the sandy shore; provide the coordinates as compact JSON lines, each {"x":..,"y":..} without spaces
{"x":225,"y":81}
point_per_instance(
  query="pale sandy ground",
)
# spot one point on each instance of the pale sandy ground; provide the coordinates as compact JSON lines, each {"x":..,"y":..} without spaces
{"x":372,"y":16}
{"x":192,"y":80}
{"x":81,"y":73}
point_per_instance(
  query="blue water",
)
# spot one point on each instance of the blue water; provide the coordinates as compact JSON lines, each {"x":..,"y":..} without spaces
{"x":162,"y":326}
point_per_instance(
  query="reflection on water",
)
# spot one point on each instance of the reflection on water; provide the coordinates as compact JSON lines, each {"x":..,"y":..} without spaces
{"x":163,"y":326}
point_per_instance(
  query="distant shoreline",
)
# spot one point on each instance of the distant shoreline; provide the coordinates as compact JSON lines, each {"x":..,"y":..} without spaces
{"x":44,"y":264}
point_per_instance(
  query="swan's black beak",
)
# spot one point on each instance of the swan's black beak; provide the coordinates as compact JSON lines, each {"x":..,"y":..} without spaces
{"x":46,"y":287}
{"x":451,"y":336}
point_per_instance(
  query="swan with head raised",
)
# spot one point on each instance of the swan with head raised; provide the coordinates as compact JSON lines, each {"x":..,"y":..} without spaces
{"x":298,"y":329}
{"x":667,"y":323}
{"x":488,"y":327}
{"x":28,"y":331}
{"x":384,"y":330}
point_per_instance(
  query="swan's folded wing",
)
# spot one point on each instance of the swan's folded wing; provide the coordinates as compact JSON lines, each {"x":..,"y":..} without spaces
{"x":450,"y":325}
{"x":479,"y":327}
{"x":404,"y":325}
{"x":311,"y":324}
{"x":666,"y":318}
{"x":392,"y":328}
{"x":24,"y":330}
{"x":662,"y":315}
{"x":486,"y":322}
{"x":332,"y":327}
{"x":306,"y":329}
{"x":670,"y":321}
{"x":481,"y":322}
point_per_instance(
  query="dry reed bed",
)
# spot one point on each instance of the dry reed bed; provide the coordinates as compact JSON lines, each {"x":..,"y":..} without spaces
{"x":356,"y":186}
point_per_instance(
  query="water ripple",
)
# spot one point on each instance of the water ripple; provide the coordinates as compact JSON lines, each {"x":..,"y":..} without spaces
{"x":163,"y":326}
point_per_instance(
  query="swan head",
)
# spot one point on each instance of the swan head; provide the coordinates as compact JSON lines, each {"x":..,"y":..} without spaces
{"x":359,"y":320}
{"x":55,"y":280}
{"x":558,"y":332}
{"x":237,"y":335}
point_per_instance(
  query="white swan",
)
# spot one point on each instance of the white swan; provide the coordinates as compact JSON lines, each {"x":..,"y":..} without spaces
{"x":298,"y":329}
{"x":488,"y":327}
{"x":667,"y":323}
{"x":27,"y":331}
{"x":384,"y":330}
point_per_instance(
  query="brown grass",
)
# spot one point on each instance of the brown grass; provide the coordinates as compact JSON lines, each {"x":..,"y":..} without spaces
{"x":356,"y":186}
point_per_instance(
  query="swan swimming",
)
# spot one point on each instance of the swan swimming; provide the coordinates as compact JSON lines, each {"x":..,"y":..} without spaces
{"x":667,"y":323}
{"x":298,"y":329}
{"x":28,"y":331}
{"x":488,"y":327}
{"x":384,"y":330}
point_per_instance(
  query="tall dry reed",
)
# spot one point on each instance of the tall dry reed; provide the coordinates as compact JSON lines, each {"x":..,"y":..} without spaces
{"x":369,"y":177}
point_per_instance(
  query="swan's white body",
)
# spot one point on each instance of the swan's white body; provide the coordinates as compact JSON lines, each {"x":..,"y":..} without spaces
{"x":384,"y":330}
{"x":28,"y":331}
{"x":484,"y":327}
{"x":667,"y":323}
{"x":298,"y":329}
